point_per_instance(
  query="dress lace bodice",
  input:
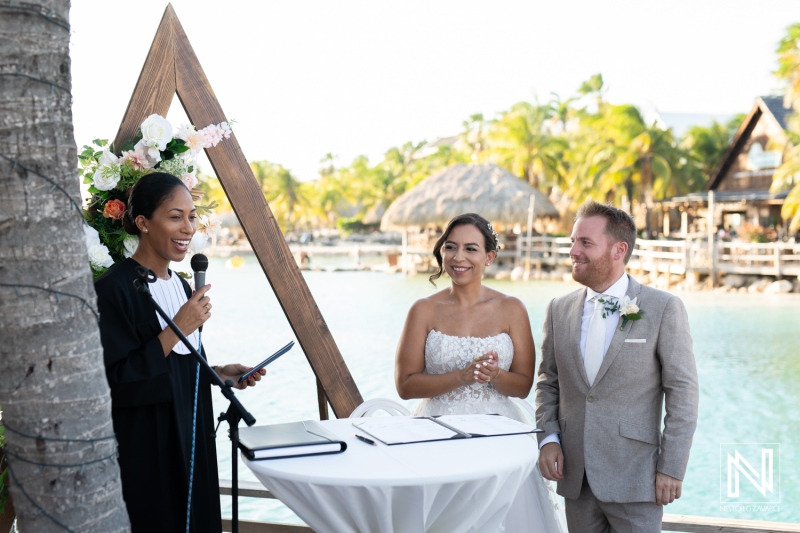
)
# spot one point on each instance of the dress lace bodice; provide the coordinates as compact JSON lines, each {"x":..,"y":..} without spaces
{"x":447,"y":353}
{"x":536,"y":508}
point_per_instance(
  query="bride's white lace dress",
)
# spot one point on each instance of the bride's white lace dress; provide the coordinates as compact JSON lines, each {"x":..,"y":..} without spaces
{"x":536,"y":508}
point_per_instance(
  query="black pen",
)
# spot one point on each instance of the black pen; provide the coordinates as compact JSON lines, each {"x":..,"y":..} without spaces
{"x":365,"y":439}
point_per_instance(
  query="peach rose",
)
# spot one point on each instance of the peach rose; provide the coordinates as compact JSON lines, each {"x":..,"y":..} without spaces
{"x":114,"y":209}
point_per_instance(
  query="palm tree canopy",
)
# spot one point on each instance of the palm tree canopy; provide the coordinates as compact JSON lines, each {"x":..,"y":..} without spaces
{"x":486,"y":189}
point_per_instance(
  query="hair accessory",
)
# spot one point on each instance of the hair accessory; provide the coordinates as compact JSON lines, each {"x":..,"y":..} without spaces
{"x":494,"y":233}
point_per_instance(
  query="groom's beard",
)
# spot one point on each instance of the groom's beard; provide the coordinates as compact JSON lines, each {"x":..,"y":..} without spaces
{"x":594,"y":272}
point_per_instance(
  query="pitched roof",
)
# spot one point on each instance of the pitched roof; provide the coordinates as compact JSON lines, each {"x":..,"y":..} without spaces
{"x":770,"y":105}
{"x":776,"y":106}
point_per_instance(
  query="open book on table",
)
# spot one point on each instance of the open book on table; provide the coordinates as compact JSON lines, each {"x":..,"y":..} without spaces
{"x":404,"y":430}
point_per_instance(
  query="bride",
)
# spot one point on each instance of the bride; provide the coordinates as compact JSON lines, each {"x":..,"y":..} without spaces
{"x":467,"y":348}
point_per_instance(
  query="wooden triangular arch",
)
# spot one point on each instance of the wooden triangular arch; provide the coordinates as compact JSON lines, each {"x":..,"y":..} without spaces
{"x":172,"y":68}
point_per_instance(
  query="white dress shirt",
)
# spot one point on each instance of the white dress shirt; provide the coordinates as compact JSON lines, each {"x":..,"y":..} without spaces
{"x":170,"y":296}
{"x":617,"y":290}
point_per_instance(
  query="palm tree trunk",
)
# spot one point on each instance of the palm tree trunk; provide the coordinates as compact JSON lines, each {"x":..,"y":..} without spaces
{"x":53,"y":389}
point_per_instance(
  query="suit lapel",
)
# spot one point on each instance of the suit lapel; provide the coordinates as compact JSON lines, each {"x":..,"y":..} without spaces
{"x":574,"y":316}
{"x":619,"y":336}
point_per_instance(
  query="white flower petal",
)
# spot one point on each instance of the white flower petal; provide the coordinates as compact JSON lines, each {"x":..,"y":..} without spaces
{"x":99,"y":256}
{"x":198,"y":242}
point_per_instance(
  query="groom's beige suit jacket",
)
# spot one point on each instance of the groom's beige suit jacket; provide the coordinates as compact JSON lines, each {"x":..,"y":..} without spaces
{"x":613,"y":430}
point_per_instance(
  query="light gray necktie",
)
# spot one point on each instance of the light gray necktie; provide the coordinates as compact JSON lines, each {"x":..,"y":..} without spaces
{"x":595,"y":341}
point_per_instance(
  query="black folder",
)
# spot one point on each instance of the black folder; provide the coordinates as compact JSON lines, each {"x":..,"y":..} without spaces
{"x":288,"y":440}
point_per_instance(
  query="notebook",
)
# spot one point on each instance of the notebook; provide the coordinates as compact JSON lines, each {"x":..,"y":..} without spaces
{"x":292,"y":439}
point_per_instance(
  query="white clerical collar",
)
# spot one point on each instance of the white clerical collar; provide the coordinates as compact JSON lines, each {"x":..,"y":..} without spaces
{"x":617,"y":290}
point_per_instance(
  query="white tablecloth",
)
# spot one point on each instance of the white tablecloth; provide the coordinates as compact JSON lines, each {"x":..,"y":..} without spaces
{"x":464,"y":485}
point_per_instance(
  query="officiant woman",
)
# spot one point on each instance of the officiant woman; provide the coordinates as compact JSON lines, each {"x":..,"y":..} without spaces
{"x":155,"y":382}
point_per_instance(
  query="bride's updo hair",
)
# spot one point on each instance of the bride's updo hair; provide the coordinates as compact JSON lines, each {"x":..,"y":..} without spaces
{"x":483,"y":225}
{"x":146,"y":195}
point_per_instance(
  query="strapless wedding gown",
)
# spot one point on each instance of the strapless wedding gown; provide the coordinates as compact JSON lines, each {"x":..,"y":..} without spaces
{"x":536,"y":508}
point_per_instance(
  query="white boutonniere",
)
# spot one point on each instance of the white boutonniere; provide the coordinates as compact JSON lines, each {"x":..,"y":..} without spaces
{"x":628,"y":310}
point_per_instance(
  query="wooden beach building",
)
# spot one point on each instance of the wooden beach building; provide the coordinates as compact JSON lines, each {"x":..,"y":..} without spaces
{"x":740,"y":185}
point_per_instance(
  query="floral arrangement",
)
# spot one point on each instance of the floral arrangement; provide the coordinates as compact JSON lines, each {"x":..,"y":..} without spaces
{"x":627,"y":308}
{"x":110,"y":176}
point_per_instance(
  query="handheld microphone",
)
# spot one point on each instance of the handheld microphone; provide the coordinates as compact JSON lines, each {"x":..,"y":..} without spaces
{"x":199,"y":266}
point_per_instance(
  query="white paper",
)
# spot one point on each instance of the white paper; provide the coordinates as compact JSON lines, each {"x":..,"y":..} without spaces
{"x":398,"y":429}
{"x":401,"y":429}
{"x":486,"y":424}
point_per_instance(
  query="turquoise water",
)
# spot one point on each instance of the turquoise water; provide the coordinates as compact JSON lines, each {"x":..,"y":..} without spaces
{"x":745,"y":346}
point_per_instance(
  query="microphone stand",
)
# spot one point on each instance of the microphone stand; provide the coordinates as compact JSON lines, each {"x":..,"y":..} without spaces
{"x":236,"y":411}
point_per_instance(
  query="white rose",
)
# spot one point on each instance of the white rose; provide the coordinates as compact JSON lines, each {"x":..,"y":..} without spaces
{"x":628,"y":306}
{"x":106,"y":178}
{"x":99,"y":256}
{"x":92,"y":237}
{"x":107,"y":158}
{"x":129,"y":245}
{"x":156,"y":133}
{"x":198,"y":242}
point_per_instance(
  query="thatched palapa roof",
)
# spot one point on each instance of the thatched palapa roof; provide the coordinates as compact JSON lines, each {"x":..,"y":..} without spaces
{"x":486,"y":189}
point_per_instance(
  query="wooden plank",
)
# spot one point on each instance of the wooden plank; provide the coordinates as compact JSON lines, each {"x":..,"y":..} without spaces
{"x":248,"y":526}
{"x":247,"y":489}
{"x":703,"y":524}
{"x":155,"y":87}
{"x":322,"y":402}
{"x":261,"y":228}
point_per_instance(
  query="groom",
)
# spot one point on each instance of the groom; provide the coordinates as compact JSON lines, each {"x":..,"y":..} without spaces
{"x":607,"y":370}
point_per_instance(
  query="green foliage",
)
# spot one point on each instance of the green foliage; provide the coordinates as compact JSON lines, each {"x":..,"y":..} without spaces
{"x":354,"y":225}
{"x":521,"y":141}
{"x":788,"y":70}
{"x":285,"y":194}
{"x":577,"y":147}
{"x":788,"y":174}
{"x":705,"y":146}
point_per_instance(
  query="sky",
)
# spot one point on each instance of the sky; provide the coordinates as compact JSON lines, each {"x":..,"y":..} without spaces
{"x":304,"y":78}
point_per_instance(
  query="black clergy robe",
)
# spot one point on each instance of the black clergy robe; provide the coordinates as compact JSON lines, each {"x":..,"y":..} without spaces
{"x":151,"y":403}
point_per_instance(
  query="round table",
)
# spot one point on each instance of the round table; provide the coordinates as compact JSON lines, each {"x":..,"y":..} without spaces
{"x":462,"y":485}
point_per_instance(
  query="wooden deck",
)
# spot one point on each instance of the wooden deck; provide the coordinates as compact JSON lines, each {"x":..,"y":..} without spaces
{"x":671,"y":522}
{"x":680,"y":258}
{"x":779,"y":259}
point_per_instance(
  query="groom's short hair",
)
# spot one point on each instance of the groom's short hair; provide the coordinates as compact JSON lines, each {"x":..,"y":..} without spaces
{"x":619,"y":224}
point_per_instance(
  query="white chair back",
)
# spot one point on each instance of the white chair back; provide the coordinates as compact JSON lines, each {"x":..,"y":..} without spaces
{"x":526,"y":410}
{"x":370,"y":407}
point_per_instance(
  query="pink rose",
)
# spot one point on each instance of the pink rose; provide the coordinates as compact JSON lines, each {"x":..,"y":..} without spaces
{"x":137,"y":157}
{"x":189,"y":180}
